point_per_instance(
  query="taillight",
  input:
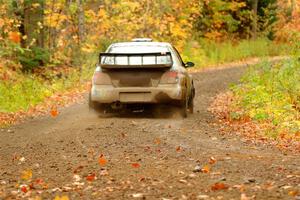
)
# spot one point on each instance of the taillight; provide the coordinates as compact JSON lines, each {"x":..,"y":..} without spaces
{"x":169,"y":77}
{"x":101,"y":78}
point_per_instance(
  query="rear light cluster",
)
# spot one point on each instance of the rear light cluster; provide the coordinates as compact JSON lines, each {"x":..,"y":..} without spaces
{"x":101,"y":78}
{"x":170,"y":77}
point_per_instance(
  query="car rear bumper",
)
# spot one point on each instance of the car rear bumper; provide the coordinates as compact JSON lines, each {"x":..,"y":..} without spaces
{"x":160,"y":94}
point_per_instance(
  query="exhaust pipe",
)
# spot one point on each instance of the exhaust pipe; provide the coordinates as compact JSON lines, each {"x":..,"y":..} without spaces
{"x":116,"y":105}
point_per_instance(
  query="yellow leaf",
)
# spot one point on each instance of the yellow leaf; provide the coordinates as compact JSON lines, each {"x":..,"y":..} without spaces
{"x":35,"y":5}
{"x":64,"y":197}
{"x":26,"y":174}
{"x":1,"y":23}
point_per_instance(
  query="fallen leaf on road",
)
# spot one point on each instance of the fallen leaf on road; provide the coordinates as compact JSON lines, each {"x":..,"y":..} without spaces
{"x":287,"y":187}
{"x":245,"y":197}
{"x":22,"y":159}
{"x":219,"y":186}
{"x":205,"y":169}
{"x":212,"y":160}
{"x":76,"y":178}
{"x":24,"y":188}
{"x":26,"y":175}
{"x":178,"y":149}
{"x":183,"y":181}
{"x":157,"y":141}
{"x":91,"y":177}
{"x":64,"y":197}
{"x":293,"y":193}
{"x":202,"y":196}
{"x":135,"y":165}
{"x":54,"y":112}
{"x":102,"y":161}
{"x":39,"y":181}
{"x":138,"y":195}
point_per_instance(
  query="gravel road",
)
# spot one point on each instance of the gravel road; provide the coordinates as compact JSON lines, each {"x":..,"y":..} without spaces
{"x":84,"y":156}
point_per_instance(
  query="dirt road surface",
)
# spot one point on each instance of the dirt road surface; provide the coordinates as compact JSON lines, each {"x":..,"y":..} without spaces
{"x":143,"y":157}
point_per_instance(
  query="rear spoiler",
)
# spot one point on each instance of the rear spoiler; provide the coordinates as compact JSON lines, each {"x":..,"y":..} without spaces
{"x":135,"y":60}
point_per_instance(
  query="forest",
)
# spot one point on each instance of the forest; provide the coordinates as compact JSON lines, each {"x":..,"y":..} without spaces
{"x":51,"y":46}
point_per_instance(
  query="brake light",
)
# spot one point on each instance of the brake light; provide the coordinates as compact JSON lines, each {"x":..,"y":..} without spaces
{"x":169,"y":77}
{"x":101,"y":78}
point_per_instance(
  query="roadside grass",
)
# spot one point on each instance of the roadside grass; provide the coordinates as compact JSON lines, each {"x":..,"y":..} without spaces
{"x":270,"y":93}
{"x":27,"y":90}
{"x":205,"y":53}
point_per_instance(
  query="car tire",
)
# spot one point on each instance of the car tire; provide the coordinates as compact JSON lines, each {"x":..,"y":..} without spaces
{"x":184,"y":108}
{"x":191,"y":106}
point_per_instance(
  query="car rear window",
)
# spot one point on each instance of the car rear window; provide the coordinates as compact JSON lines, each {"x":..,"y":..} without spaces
{"x":138,"y":49}
{"x":138,"y":60}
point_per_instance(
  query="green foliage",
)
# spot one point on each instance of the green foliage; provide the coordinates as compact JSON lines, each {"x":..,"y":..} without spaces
{"x":271,"y":93}
{"x":22,"y":94}
{"x":207,"y":52}
{"x":33,"y":58}
{"x":221,"y":19}
{"x":27,"y":90}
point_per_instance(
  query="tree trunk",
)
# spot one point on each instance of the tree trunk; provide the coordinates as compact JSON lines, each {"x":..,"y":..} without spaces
{"x":254,"y":22}
{"x":81,"y":22}
{"x":33,"y":23}
{"x":145,"y":29}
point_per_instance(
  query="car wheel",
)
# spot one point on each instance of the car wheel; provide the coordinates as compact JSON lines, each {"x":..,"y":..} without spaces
{"x":184,"y":108}
{"x":191,"y":106}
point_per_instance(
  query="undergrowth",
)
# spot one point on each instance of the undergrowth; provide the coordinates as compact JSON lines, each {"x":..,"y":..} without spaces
{"x":270,"y":93}
{"x":205,"y":53}
{"x":29,"y":89}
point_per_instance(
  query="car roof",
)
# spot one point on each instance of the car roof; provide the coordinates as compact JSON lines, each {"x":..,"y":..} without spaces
{"x":154,"y":44}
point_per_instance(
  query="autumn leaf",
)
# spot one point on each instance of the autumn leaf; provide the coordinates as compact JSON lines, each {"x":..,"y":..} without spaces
{"x":135,"y":165}
{"x":91,"y":177}
{"x":205,"y":169}
{"x":219,"y":186}
{"x":35,"y":5}
{"x":39,"y":181}
{"x":14,"y":37}
{"x":54,"y":112}
{"x":2,"y":22}
{"x":293,"y":193}
{"x":64,"y":197}
{"x":212,"y":160}
{"x":102,"y":161}
{"x":157,"y":141}
{"x":26,"y":175}
{"x":178,"y":149}
{"x":24,"y":188}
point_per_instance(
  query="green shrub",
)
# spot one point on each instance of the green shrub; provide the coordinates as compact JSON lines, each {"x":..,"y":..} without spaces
{"x":271,"y":93}
{"x":206,"y":52}
{"x":28,"y":90}
{"x":33,"y":58}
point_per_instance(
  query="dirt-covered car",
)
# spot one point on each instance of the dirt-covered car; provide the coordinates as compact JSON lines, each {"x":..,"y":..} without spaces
{"x":142,"y":72}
